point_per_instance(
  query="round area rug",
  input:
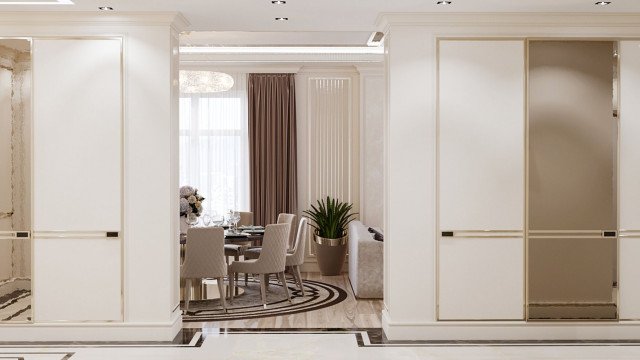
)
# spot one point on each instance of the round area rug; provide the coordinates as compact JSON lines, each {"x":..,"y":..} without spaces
{"x":318,"y":295}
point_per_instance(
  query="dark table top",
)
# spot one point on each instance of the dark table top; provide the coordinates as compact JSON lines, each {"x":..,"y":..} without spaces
{"x":230,"y":238}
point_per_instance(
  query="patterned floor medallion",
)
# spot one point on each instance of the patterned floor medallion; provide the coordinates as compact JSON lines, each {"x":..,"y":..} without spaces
{"x":318,"y":295}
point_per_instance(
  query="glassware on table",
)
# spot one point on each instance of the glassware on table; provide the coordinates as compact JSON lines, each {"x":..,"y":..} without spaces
{"x":206,"y":219}
{"x":192,"y":219}
{"x":236,"y":219}
{"x":217,"y":219}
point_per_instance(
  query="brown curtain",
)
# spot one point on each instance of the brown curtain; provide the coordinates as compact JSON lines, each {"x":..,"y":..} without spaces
{"x":272,"y":146}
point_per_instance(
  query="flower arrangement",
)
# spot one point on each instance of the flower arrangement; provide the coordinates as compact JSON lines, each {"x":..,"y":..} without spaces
{"x":190,"y":203}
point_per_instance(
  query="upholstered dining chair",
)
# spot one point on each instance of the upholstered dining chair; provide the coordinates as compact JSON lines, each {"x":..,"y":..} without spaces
{"x":204,"y":258}
{"x":295,"y":258}
{"x":254,"y":251}
{"x":271,"y":261}
{"x":246,"y":218}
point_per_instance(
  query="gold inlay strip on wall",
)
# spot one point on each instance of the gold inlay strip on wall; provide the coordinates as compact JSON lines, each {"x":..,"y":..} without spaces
{"x":15,"y":235}
{"x":76,"y":234}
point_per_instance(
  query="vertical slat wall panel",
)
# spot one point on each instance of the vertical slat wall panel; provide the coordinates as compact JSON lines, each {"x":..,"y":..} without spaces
{"x":481,"y":180}
{"x":333,"y":141}
{"x":629,"y":180}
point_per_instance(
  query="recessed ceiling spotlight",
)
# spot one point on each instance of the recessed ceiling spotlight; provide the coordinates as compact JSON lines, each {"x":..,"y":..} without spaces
{"x":278,"y":2}
{"x":282,"y":18}
{"x":603,"y":3}
{"x":105,"y":8}
{"x":443,"y":2}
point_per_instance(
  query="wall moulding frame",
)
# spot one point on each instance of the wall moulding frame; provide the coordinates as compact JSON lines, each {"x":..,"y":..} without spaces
{"x":399,"y":28}
{"x":158,"y":321}
{"x":100,"y":234}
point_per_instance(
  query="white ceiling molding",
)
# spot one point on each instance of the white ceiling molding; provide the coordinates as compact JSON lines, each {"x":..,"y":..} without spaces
{"x":385,"y":20}
{"x":49,"y":2}
{"x":273,"y":38}
{"x":196,"y":59}
{"x":281,"y":50}
{"x":265,"y":68}
{"x":175,"y":19}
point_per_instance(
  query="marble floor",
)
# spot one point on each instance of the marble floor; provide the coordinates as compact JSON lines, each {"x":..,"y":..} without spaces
{"x":303,"y":346}
{"x":350,"y":313}
{"x":349,"y":330}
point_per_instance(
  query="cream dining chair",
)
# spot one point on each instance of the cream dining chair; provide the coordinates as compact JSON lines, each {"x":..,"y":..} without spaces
{"x":204,"y":258}
{"x":295,"y":258}
{"x":246,"y":218}
{"x":271,"y":261}
{"x":254,"y":251}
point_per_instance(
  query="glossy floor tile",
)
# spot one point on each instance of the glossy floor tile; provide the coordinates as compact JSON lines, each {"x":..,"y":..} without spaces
{"x":327,"y":345}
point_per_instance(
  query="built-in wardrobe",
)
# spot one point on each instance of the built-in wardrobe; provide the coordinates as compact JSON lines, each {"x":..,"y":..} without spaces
{"x":538,"y":179}
{"x":61,"y":224}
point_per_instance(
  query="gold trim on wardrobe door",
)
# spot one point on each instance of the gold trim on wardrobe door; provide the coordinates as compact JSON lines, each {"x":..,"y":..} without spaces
{"x":121,"y":39}
{"x":525,"y":224}
{"x":438,"y":233}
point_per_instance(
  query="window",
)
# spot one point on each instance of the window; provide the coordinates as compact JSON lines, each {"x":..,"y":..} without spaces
{"x":214,"y":147}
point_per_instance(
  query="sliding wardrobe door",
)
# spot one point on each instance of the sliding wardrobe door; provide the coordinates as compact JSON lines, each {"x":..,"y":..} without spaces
{"x":77,"y":178}
{"x":481,"y":180}
{"x":572,"y":246}
{"x":629,"y":303}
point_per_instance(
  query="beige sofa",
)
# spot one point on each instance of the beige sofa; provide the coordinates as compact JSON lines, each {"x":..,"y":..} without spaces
{"x":365,"y":262}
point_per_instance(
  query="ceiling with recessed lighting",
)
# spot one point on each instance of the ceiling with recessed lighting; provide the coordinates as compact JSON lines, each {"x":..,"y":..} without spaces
{"x":321,"y":15}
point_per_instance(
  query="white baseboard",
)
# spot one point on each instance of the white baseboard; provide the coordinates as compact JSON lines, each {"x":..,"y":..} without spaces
{"x":68,"y":331}
{"x":510,"y":330}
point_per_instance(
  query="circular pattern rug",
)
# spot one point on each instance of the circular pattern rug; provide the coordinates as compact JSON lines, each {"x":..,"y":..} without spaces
{"x":318,"y":295}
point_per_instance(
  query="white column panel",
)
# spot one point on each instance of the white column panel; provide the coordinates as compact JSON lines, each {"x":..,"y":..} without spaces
{"x":77,"y":279}
{"x":77,"y":135}
{"x":629,"y":172}
{"x":481,"y":137}
{"x":629,"y":180}
{"x":77,"y":179}
{"x":481,"y":179}
{"x":481,"y":278}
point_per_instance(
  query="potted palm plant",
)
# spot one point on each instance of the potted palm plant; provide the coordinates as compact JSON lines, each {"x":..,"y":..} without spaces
{"x":330,"y":219}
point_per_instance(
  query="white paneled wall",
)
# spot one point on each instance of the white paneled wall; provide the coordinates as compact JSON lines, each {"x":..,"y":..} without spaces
{"x":371,"y":145}
{"x":629,"y":175}
{"x":481,"y":179}
{"x":328,"y":137}
{"x":77,"y":172}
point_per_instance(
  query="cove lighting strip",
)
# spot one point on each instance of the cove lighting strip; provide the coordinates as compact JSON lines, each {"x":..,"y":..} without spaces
{"x":50,"y":2}
{"x":281,"y":50}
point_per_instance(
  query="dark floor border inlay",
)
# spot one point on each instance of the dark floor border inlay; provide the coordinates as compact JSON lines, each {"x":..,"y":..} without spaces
{"x":365,"y":337}
{"x":375,"y":337}
{"x":20,"y":355}
{"x":184,"y":338}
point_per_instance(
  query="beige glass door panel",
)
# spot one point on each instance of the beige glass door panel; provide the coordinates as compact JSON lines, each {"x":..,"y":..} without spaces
{"x":572,"y":261}
{"x":481,"y":179}
{"x":15,"y":181}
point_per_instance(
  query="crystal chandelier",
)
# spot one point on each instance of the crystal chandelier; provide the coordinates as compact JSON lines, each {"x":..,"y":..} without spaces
{"x":202,"y":82}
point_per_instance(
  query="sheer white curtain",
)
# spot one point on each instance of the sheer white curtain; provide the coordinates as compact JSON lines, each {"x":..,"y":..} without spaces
{"x":214,"y":147}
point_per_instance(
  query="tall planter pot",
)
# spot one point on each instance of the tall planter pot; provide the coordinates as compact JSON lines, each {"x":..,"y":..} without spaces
{"x":331,"y":254}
